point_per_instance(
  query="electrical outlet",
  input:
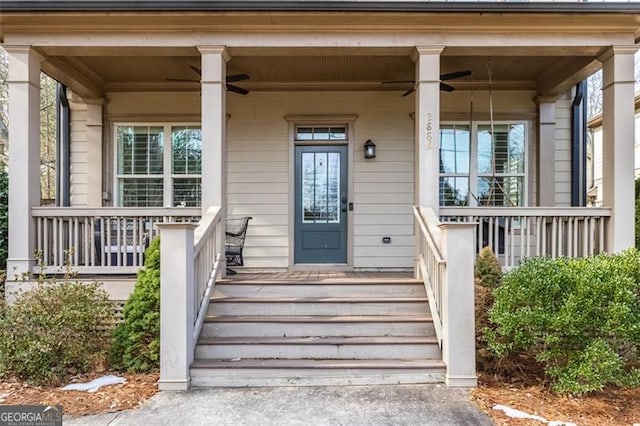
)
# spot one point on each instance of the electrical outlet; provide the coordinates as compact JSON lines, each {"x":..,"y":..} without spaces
{"x":386,"y":240}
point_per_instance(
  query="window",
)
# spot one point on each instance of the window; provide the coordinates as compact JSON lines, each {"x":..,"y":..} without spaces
{"x":324,"y":133}
{"x":158,"y":165}
{"x":488,"y":172}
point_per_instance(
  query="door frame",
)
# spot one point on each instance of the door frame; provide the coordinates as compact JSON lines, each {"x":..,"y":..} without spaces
{"x":319,"y":120}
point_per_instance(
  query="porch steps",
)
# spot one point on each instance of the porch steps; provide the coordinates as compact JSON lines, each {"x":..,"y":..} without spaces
{"x":324,"y":332}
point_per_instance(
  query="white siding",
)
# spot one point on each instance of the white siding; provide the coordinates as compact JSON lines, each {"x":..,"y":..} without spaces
{"x":563,"y":152}
{"x":79,"y":155}
{"x":258,"y":145}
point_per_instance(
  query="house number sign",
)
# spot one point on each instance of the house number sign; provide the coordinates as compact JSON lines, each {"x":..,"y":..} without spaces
{"x":429,"y":130}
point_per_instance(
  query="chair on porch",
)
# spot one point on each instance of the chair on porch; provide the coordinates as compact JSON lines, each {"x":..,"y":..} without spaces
{"x":119,"y":239}
{"x":235,"y":233}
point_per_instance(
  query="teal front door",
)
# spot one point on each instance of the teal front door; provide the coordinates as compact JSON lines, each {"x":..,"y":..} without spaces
{"x":320,"y":204}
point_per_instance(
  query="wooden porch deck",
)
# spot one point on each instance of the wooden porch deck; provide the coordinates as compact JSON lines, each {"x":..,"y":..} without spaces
{"x":333,"y":277}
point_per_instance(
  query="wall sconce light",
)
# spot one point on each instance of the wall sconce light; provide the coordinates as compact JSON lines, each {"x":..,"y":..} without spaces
{"x":369,"y":149}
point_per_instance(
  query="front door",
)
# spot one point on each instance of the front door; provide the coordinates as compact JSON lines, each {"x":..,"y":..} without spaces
{"x":320,"y":204}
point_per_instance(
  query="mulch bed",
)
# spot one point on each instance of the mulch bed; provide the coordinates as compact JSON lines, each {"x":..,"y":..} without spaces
{"x":137,"y":389}
{"x":610,"y":407}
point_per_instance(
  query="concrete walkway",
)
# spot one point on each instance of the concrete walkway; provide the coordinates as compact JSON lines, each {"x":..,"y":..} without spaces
{"x":346,"y":405}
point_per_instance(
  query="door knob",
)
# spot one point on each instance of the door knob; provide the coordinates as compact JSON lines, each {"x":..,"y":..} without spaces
{"x":344,"y":199}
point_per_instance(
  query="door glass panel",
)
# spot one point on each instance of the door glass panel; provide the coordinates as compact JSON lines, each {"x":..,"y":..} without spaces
{"x":320,"y":187}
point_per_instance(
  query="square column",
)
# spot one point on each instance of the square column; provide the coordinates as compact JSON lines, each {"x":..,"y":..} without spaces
{"x":427,"y":122}
{"x":618,"y":145}
{"x":546,"y":151}
{"x":24,"y":157}
{"x":214,"y":133}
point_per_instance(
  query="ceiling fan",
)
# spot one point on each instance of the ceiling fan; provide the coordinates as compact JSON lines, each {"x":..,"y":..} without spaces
{"x":232,"y":78}
{"x":443,"y":77}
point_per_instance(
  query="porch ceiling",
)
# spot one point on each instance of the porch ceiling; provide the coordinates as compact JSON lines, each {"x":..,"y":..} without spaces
{"x":131,"y":71}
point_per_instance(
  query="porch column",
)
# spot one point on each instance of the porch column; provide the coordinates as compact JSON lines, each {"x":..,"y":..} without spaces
{"x":427,"y":122}
{"x":214,"y":133}
{"x":618,"y":145}
{"x":24,"y":157}
{"x":546,"y":151}
{"x":94,"y":152}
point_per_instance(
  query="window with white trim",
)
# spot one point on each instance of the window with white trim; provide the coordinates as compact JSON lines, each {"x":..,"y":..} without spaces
{"x":158,"y":165}
{"x":478,"y":169}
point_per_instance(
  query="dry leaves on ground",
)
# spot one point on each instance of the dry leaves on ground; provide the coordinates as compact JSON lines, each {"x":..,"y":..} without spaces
{"x":610,"y":407}
{"x":137,"y":389}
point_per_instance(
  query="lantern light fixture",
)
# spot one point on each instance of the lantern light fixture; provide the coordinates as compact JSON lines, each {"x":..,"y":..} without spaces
{"x":369,"y":149}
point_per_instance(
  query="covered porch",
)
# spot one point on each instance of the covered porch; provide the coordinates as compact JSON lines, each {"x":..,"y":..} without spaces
{"x":489,"y":158}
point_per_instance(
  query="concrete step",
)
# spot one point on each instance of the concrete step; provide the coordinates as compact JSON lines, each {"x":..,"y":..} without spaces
{"x":405,"y":288}
{"x":318,"y":348}
{"x":318,"y":306}
{"x":316,"y":325}
{"x":311,"y":372}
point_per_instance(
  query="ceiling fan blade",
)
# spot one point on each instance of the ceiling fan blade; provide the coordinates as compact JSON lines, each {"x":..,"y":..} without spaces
{"x":408,"y":92}
{"x":398,"y":82}
{"x":236,"y":89}
{"x":446,"y":88}
{"x":457,"y":74}
{"x":237,"y":77}
{"x":196,"y":69}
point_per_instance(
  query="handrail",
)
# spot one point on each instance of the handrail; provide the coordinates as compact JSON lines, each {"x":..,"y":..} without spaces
{"x":525,"y":211}
{"x":114,"y":211}
{"x":204,"y":241}
{"x":428,"y":235}
{"x":432,"y":268}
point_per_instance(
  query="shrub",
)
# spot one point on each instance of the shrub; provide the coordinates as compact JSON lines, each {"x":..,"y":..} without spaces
{"x":487,"y":268}
{"x":136,"y":341}
{"x":578,"y":318}
{"x":54,"y":331}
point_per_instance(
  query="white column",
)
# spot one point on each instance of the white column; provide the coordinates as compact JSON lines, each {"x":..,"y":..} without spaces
{"x":177,"y":305}
{"x":24,"y":156}
{"x":427,"y":122}
{"x":458,"y":308}
{"x":94,"y":152}
{"x":618,"y":145}
{"x":214,"y":133}
{"x":546,"y":152}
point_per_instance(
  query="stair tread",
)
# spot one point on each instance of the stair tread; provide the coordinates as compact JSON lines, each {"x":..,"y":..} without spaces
{"x":318,"y":318}
{"x":327,"y":281}
{"x":354,"y":299}
{"x":321,"y":363}
{"x":319,"y":340}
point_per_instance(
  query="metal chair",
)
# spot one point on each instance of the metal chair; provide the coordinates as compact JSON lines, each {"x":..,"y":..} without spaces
{"x":235,"y":233}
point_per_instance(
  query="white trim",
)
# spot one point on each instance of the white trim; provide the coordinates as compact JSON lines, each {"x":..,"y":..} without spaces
{"x":167,"y":175}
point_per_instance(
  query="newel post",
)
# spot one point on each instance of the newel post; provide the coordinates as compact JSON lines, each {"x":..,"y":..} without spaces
{"x":177,"y":308}
{"x":458,"y":307}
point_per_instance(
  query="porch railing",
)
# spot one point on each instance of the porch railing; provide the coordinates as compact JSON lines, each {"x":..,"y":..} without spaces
{"x":100,"y":240}
{"x":431,"y":267}
{"x":444,"y":262}
{"x":191,"y":260}
{"x":517,"y":233}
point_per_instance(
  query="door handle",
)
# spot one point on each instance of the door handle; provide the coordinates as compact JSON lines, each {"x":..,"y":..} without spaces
{"x":344,"y":199}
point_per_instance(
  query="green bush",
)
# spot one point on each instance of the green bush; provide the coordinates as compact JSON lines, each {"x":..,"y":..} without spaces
{"x":637,"y":214}
{"x":54,"y":331}
{"x":487,"y":268}
{"x":135,"y":344}
{"x":578,"y":318}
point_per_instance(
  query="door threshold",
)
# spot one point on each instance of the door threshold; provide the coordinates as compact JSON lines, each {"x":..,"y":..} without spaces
{"x":319,"y":267}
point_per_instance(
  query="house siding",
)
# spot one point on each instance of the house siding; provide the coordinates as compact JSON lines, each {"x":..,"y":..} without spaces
{"x":79,"y":163}
{"x":562,"y":187}
{"x":259,"y":154}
